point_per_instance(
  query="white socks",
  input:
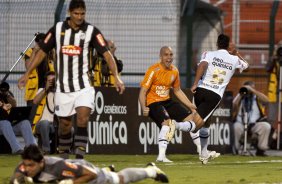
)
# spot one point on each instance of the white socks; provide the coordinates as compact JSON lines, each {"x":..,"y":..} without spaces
{"x":163,"y":142}
{"x":186,"y":126}
{"x":196,"y":140}
{"x":204,"y":137}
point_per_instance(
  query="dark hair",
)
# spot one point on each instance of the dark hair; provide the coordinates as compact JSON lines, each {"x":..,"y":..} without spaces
{"x":223,"y":41}
{"x":40,"y":37}
{"x":74,"y":4}
{"x":4,"y":87}
{"x":32,"y":152}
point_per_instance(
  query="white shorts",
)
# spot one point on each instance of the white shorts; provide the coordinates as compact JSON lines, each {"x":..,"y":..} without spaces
{"x":65,"y":103}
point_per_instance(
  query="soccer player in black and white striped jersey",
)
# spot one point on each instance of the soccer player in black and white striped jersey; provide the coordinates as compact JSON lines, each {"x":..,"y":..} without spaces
{"x":73,"y":40}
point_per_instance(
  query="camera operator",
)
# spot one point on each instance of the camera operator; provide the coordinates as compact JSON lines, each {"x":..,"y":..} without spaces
{"x":23,"y":128}
{"x":248,"y":107}
{"x":102,"y":74}
{"x":43,"y":123}
{"x":273,"y":68}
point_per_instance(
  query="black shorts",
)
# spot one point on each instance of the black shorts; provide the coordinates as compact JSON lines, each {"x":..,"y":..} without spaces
{"x":206,"y":102}
{"x":160,"y":111}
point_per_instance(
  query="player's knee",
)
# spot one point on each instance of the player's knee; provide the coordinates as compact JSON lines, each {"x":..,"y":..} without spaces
{"x":82,"y":120}
{"x":198,"y":121}
{"x":65,"y":128}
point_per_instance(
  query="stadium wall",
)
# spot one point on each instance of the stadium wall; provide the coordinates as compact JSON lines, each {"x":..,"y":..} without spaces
{"x":118,"y":127}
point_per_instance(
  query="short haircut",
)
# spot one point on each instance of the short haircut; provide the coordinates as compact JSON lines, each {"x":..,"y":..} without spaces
{"x":223,"y":41}
{"x":74,"y":4}
{"x":163,"y":49}
{"x":32,"y":152}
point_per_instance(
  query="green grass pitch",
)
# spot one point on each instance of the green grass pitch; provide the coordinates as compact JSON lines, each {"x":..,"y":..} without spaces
{"x":186,"y":169}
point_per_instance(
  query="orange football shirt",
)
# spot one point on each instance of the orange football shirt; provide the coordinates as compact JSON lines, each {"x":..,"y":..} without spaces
{"x":159,"y":80}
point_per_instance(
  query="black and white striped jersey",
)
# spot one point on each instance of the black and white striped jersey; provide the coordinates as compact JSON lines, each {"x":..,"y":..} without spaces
{"x":73,"y":53}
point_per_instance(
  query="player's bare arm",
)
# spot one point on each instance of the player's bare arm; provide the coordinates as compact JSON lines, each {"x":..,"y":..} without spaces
{"x":85,"y":177}
{"x":183,"y":98}
{"x":233,"y":51}
{"x":112,"y":65}
{"x":202,"y":67}
{"x":142,"y":100}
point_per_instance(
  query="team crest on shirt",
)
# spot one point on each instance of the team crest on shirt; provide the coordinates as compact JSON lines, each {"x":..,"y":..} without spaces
{"x":82,"y":36}
{"x":101,"y":40}
{"x":71,"y":50}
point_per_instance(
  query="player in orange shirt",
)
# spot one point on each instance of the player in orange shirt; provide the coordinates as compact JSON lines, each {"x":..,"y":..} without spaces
{"x":156,"y":102}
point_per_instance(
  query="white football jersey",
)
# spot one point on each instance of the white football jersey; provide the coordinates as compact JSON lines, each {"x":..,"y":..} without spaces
{"x":221,"y":67}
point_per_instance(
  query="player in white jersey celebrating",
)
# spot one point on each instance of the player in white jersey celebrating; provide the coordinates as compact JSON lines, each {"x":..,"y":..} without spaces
{"x":213,"y":74}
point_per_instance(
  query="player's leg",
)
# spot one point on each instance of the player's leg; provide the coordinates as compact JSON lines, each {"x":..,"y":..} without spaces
{"x":206,"y":102}
{"x":196,"y":140}
{"x":131,"y":175}
{"x":64,"y":109}
{"x":81,"y":135}
{"x":84,"y":105}
{"x":180,"y":114}
{"x":160,"y":116}
{"x":204,"y":136}
{"x":65,"y":136}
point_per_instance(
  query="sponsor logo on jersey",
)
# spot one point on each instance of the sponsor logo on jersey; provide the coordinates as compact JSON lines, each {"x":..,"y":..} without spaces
{"x":68,"y":173}
{"x":214,"y":86}
{"x":47,"y":38}
{"x":217,"y":62}
{"x":82,"y":36}
{"x":162,"y":91}
{"x":71,"y":50}
{"x":101,"y":40}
